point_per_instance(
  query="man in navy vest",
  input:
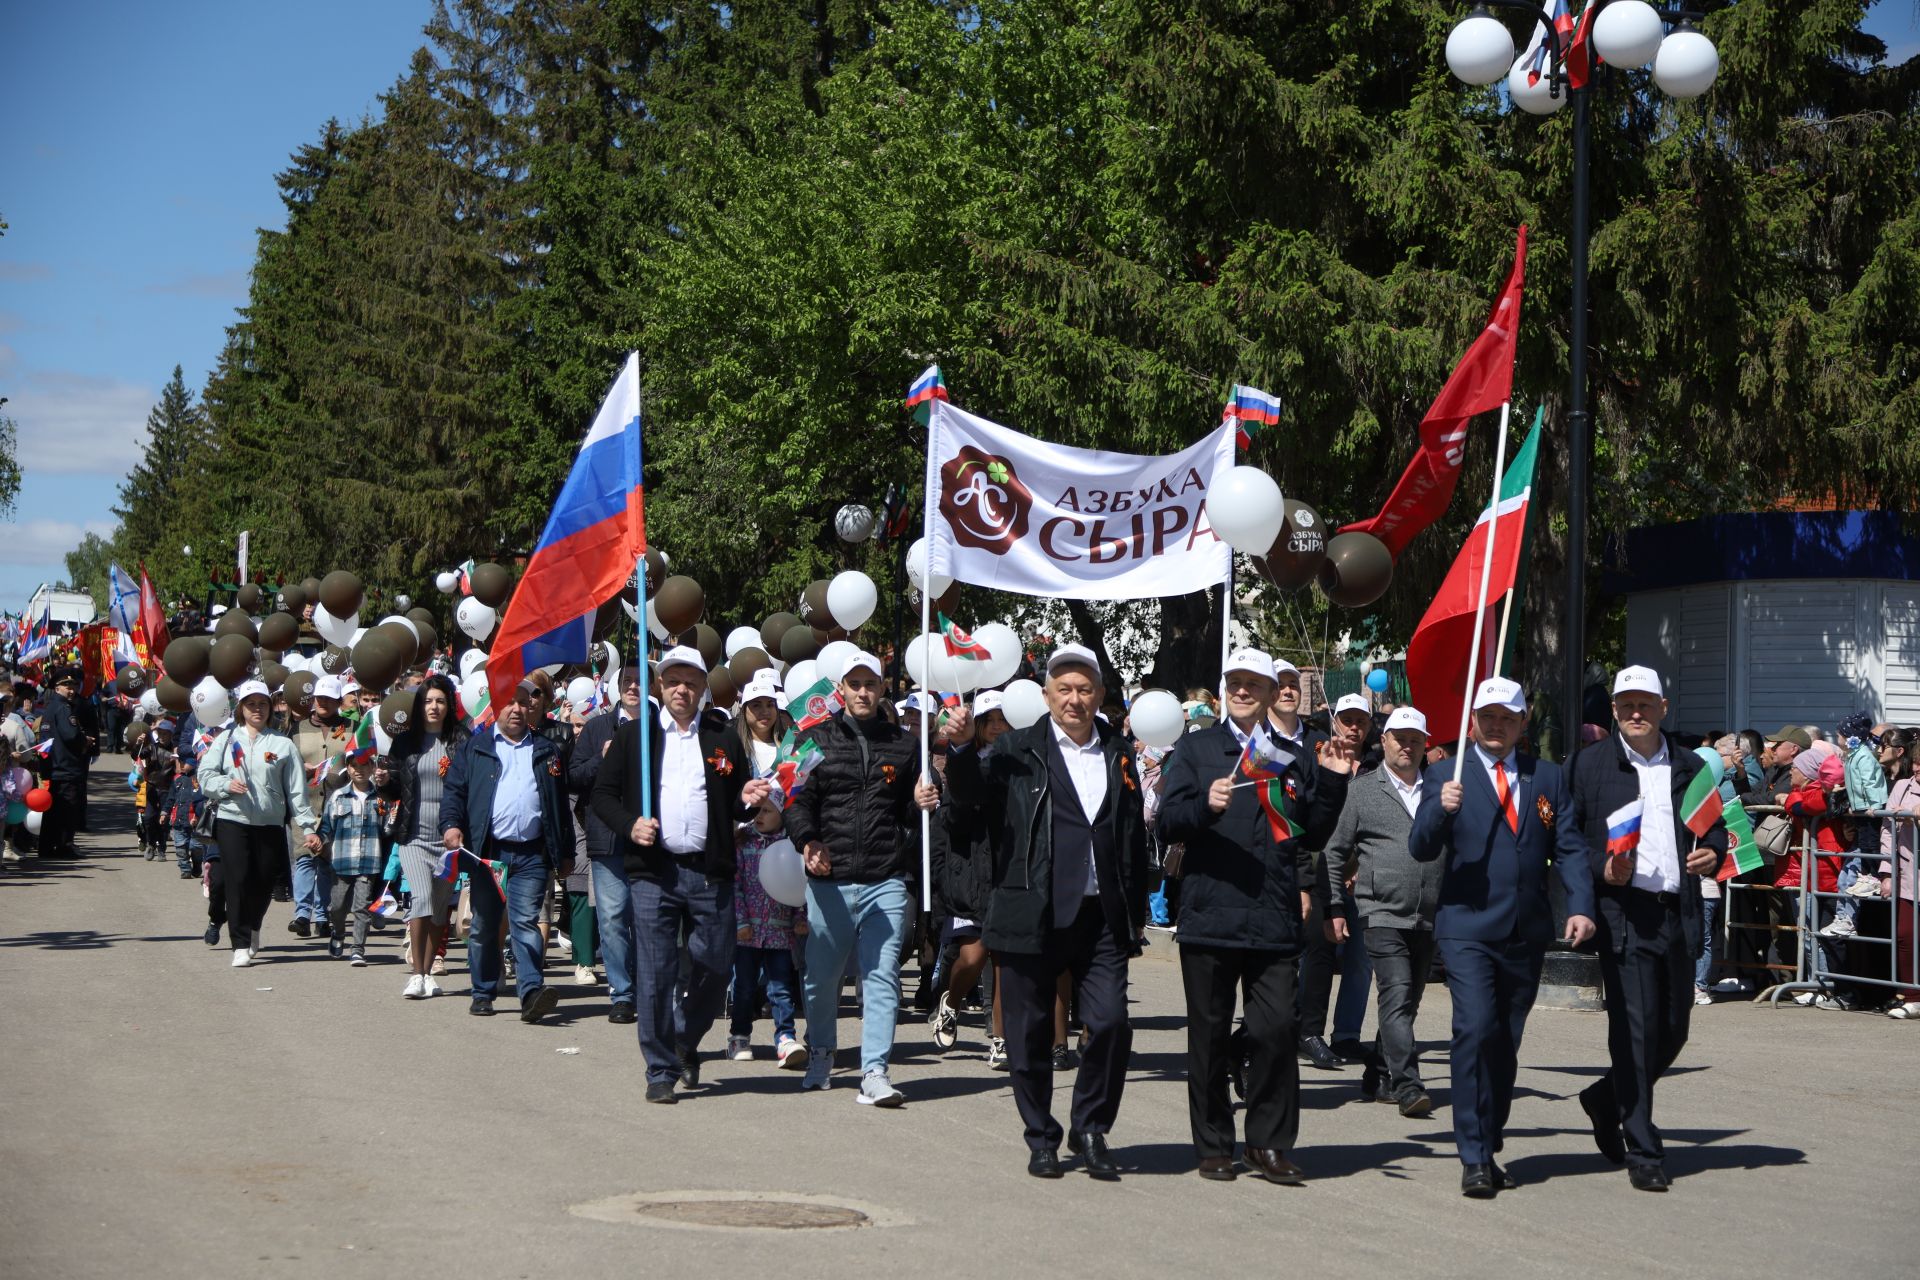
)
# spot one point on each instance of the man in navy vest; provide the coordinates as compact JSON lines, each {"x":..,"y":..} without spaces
{"x":1497,"y":830}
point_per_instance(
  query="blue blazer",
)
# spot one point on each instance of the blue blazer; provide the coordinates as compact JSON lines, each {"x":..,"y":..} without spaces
{"x":1494,"y":886}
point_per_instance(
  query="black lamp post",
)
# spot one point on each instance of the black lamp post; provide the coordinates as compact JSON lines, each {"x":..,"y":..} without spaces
{"x":1623,"y":33}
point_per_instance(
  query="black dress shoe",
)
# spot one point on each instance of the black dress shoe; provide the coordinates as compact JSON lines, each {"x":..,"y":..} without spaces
{"x":1274,"y":1166}
{"x":1044,"y":1164}
{"x":482,"y":1007}
{"x":1093,"y":1153}
{"x":1476,"y":1182}
{"x":1606,"y":1131}
{"x":661,"y":1091}
{"x":1373,"y":1085}
{"x":1217,"y":1168}
{"x":1502,"y":1180}
{"x":1414,"y":1105}
{"x":622,"y":1013}
{"x":1314,"y":1049}
{"x":539,"y":1004}
{"x":1649,"y":1177}
{"x":1349,"y":1051}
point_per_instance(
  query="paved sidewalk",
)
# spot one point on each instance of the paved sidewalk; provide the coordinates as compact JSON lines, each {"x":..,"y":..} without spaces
{"x":164,"y":1115}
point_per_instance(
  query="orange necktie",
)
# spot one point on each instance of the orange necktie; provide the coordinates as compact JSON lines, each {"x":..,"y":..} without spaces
{"x":1505,"y":793}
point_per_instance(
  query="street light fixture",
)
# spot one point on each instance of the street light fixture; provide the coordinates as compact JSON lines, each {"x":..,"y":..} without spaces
{"x":1626,"y":33}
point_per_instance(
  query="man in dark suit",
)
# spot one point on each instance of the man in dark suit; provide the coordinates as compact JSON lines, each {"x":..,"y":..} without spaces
{"x":1497,"y":828}
{"x":679,"y":864}
{"x":1069,"y":896}
{"x":73,"y":749}
{"x":1246,"y":900}
{"x":1649,"y":922}
{"x":611,"y":898}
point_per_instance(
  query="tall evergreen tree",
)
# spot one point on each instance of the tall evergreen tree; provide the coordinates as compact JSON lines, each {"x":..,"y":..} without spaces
{"x":176,"y":429}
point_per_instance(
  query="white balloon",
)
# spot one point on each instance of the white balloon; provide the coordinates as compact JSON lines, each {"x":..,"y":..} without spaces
{"x":1002,"y":643}
{"x":1628,"y":33}
{"x":1245,"y":508}
{"x":382,"y":740}
{"x":150,"y":702}
{"x":854,"y":523}
{"x":337,"y":631}
{"x":1537,"y":98}
{"x":742,"y":638}
{"x":474,"y":618}
{"x":783,"y":875}
{"x":211,"y":705}
{"x":33,"y":820}
{"x":1156,"y":718}
{"x":471,"y":659}
{"x":580,"y":691}
{"x":1023,"y":704}
{"x":448,"y":582}
{"x":930,"y":667}
{"x":917,"y":571}
{"x":851,"y":598}
{"x":406,"y":622}
{"x":831,"y":662}
{"x":473,"y":689}
{"x":660,"y":633}
{"x":801,"y":676}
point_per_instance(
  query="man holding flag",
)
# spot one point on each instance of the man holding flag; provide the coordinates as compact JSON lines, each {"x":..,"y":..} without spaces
{"x":1646,"y":872}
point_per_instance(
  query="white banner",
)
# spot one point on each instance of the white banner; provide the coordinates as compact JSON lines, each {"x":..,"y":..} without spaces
{"x":1014,"y":513}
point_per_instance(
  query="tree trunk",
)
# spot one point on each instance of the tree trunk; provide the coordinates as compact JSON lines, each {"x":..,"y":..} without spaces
{"x":1189,"y":651}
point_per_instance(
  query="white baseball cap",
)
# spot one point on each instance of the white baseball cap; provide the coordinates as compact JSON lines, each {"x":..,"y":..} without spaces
{"x":763,"y":685}
{"x":1351,"y":702}
{"x":350,"y":685}
{"x":1068,"y":655}
{"x":251,"y":689}
{"x":1282,"y":667}
{"x":913,"y":702}
{"x":1501,"y":692}
{"x":1252,"y":661}
{"x":329,"y":687}
{"x":1637,"y":680}
{"x":865,"y":661}
{"x":991,"y":700}
{"x":682,"y":655}
{"x":1406,"y":718}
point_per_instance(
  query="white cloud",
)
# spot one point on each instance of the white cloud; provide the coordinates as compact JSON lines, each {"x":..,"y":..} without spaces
{"x":45,"y":542}
{"x":79,"y":423}
{"x":221,"y":284}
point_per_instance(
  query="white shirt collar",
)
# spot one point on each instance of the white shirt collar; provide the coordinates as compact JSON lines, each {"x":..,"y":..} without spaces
{"x":666,"y":723}
{"x":526,"y":739}
{"x":1488,"y":761}
{"x":1659,"y":757}
{"x":1239,"y":735}
{"x":1068,"y":744}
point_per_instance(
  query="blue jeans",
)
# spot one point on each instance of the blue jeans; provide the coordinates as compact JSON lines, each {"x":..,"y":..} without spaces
{"x":750,"y":966}
{"x":1703,"y":967}
{"x":1356,"y":985}
{"x":675,"y":1015}
{"x":528,"y":874}
{"x":1846,"y":908}
{"x":312,"y":886}
{"x":865,"y":922}
{"x":610,"y":910}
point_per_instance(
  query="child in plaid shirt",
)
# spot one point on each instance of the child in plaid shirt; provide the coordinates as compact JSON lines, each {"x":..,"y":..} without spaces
{"x":350,"y":831}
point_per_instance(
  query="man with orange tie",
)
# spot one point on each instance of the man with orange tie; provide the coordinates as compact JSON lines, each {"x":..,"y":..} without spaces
{"x":1496,"y":830}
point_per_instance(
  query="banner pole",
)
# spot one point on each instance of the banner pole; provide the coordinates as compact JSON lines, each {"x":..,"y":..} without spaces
{"x":1480,"y":606}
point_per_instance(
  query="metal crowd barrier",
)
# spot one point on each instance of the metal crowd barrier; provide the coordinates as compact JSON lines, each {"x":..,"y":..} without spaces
{"x":1762,"y":896}
{"x":1814,"y":974}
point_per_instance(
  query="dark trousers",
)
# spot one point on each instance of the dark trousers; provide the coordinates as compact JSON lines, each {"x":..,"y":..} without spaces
{"x":1320,"y":962}
{"x":674,"y":1016}
{"x":1401,"y":959}
{"x":252,"y":858}
{"x":1493,"y":985}
{"x":1212,"y":977}
{"x":1086,"y":949}
{"x":1648,"y":979}
{"x":67,"y":816}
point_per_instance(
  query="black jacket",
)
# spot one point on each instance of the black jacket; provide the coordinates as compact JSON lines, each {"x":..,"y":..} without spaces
{"x":1009,"y":786}
{"x":70,"y":755}
{"x":402,"y":788}
{"x":859,"y":800}
{"x":1603,"y":780}
{"x":583,"y":771}
{"x":962,"y":862}
{"x":616,"y":797}
{"x":1239,"y":886}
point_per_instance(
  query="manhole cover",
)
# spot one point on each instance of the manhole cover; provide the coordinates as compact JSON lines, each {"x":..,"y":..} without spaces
{"x":735,"y":1211}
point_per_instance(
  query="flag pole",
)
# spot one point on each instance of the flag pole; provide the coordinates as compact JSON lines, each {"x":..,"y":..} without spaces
{"x":928,"y":501}
{"x":644,"y":728}
{"x":1480,"y":607}
{"x":1506,"y":617}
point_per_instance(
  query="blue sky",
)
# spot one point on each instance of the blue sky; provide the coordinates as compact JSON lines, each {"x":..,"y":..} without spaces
{"x":136,"y":163}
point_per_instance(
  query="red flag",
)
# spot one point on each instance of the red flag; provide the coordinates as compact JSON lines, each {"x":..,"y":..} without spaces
{"x":153,"y":618}
{"x":1482,"y":381}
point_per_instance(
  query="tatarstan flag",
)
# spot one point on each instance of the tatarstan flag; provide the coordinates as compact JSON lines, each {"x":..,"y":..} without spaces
{"x":1743,"y":851}
{"x":1701,"y":807}
{"x":960,"y":643}
{"x":1437,"y":655}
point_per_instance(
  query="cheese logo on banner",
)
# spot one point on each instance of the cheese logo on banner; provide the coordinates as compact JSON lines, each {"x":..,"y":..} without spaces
{"x":1014,"y":513}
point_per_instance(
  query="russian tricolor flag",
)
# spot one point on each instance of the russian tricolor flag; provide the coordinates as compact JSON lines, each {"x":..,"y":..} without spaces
{"x":593,"y":541}
{"x":1623,"y":829}
{"x":1252,"y":407}
{"x":926,"y":388}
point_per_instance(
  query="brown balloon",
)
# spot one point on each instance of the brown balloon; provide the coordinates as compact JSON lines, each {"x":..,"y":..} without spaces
{"x":231,"y":659}
{"x":744,"y":663}
{"x":403,"y":640}
{"x":656,"y":571}
{"x":342,"y":593}
{"x":294,"y":598}
{"x":273,"y":674}
{"x":396,"y":712}
{"x":236,"y":622}
{"x":429,"y":643}
{"x":774,"y":628}
{"x":133,"y":680}
{"x":299,"y":690}
{"x":491,"y":584}
{"x":175,"y":697}
{"x":949,"y":603}
{"x":335,"y":660}
{"x":713,"y":650}
{"x":813,"y":607}
{"x":1358,"y":570}
{"x":250,"y":597}
{"x":798,"y":645}
{"x":680,"y":604}
{"x":186,"y":660}
{"x":279,"y":631}
{"x":375,"y":661}
{"x":721,"y":686}
{"x":1298,"y":550}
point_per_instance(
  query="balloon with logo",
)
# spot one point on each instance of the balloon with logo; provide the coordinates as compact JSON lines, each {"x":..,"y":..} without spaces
{"x":1298,"y":550}
{"x":1157,"y":718}
{"x":1245,"y":508}
{"x":473,"y":691}
{"x":782,"y":874}
{"x":211,"y":705}
{"x":471,"y":660}
{"x":1024,"y":703}
{"x":851,"y":599}
{"x":475,"y":619}
{"x":917,"y":572}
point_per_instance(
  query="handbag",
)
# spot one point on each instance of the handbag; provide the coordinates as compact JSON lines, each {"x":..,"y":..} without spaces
{"x":1774,"y":835}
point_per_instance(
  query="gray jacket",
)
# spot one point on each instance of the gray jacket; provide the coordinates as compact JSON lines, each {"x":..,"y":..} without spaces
{"x":1391,"y":888}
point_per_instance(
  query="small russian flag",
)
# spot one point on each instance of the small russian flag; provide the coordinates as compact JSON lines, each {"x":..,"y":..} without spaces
{"x":926,"y":388}
{"x":386,"y":906}
{"x":44,"y":748}
{"x":1623,"y":829}
{"x":1251,"y":407}
{"x":448,"y":868}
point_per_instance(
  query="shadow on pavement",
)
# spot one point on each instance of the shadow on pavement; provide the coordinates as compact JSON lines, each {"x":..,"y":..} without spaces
{"x":75,"y":940}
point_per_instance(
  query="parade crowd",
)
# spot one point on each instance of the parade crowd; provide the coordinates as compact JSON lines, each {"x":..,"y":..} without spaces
{"x":1282,"y":853}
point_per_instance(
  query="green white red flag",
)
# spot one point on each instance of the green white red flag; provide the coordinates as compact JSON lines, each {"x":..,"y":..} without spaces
{"x":814,"y":705}
{"x":960,"y":643}
{"x":1701,"y":806}
{"x":1743,"y":851}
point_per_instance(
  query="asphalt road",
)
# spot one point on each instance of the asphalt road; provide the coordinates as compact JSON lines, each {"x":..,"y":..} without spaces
{"x":161,"y":1113}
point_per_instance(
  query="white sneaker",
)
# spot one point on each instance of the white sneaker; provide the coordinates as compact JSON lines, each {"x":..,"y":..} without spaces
{"x":878,"y":1091}
{"x":242,"y":958}
{"x":1702,"y":996}
{"x":428,"y":987}
{"x":997,"y":1054}
{"x":1825,"y":1001}
{"x":1867,"y":886}
{"x":416,"y":987}
{"x":1732,"y":984}
{"x":357,"y":960}
{"x":792,"y":1055}
{"x":1911,"y":1009}
{"x":1803,"y":998}
{"x":1840,"y":928}
{"x":583,"y":976}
